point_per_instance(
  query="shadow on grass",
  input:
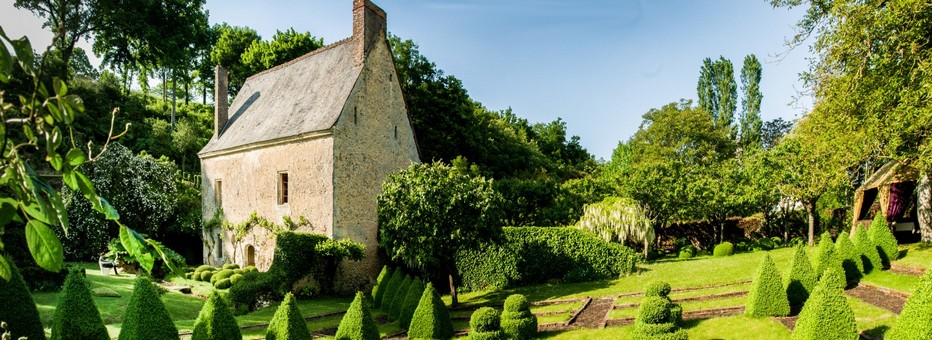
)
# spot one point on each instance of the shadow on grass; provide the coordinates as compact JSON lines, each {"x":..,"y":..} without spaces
{"x":538,"y":292}
{"x":877,"y":332}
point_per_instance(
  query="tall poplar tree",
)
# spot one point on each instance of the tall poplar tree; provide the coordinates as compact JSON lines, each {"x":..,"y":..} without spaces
{"x":718,"y":92}
{"x":750,"y":121}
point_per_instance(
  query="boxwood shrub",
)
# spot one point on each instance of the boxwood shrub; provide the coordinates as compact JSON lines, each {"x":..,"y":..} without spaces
{"x":724,"y":249}
{"x":298,"y":254}
{"x":379,"y":289}
{"x":251,"y":290}
{"x":287,"y":323}
{"x":767,"y":296}
{"x":145,"y":316}
{"x":398,"y":301}
{"x":215,"y":321}
{"x":412,"y":298}
{"x":801,"y":280}
{"x":391,"y":289}
{"x":231,"y":266}
{"x":485,"y":324}
{"x":76,"y":316}
{"x":850,"y":258}
{"x":827,"y":314}
{"x":223,"y":284}
{"x":869,"y":255}
{"x":886,"y":243}
{"x":19,"y":311}
{"x":915,"y":322}
{"x":357,"y":323}
{"x":531,"y":255}
{"x":826,"y":254}
{"x":517,"y":320}
{"x":431,"y":319}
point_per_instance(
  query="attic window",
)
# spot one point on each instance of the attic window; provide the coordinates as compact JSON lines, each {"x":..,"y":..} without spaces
{"x":282,"y":187}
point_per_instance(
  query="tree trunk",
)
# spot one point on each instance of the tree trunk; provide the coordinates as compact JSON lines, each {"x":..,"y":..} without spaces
{"x":453,"y":297}
{"x":813,"y":219}
{"x":174,"y":99}
{"x":924,"y":205}
{"x":646,"y":244}
{"x":186,"y":89}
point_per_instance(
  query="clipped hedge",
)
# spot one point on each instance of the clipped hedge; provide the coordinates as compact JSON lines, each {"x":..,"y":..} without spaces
{"x":398,"y":301}
{"x":379,"y":289}
{"x":870,"y":258}
{"x":220,"y":275}
{"x":826,"y":256}
{"x":658,"y":317}
{"x":357,"y":323}
{"x":231,"y":266}
{"x":76,"y":316}
{"x":431,"y":319}
{"x":391,"y":289}
{"x":850,"y":258}
{"x":19,"y":311}
{"x":215,"y":321}
{"x":299,"y":254}
{"x":883,"y":238}
{"x":531,"y":255}
{"x":223,"y":284}
{"x":145,"y":316}
{"x":251,"y":290}
{"x":485,"y":324}
{"x":517,"y":320}
{"x":802,"y":278}
{"x":767,"y":296}
{"x":827,"y":314}
{"x":723,"y":249}
{"x":659,"y":288}
{"x":412,"y":298}
{"x":287,"y":323}
{"x":915,"y":321}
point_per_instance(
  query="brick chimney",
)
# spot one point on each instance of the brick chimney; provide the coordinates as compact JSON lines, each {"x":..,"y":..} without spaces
{"x":368,"y":27}
{"x":221,"y":101}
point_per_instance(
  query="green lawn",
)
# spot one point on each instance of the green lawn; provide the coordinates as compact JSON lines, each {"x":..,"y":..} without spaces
{"x":732,"y":327}
{"x":916,"y":255}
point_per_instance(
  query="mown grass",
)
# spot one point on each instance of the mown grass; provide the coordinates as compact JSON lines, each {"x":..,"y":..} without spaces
{"x":732,"y":327}
{"x":916,"y":255}
{"x":873,"y":320}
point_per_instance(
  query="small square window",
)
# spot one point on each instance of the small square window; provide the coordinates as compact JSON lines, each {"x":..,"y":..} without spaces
{"x":282,"y":187}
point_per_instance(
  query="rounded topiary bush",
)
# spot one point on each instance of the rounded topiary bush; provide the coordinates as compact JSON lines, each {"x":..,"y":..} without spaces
{"x":412,"y":298}
{"x":215,"y":321}
{"x":801,"y":280}
{"x":870,"y":258}
{"x":827,"y":314}
{"x":658,"y":317}
{"x":687,"y":252}
{"x":145,"y":316}
{"x":915,"y":322}
{"x":223,"y":274}
{"x":235,"y":278}
{"x":724,"y":249}
{"x":517,"y":320}
{"x":394,"y":310}
{"x":390,"y":289}
{"x":287,"y":323}
{"x":431,"y":319}
{"x":223,"y":284}
{"x":76,"y":316}
{"x":485,"y":324}
{"x":204,"y":268}
{"x":231,"y":266}
{"x":238,"y":271}
{"x":767,"y":296}
{"x":883,"y":238}
{"x":250,"y":269}
{"x":659,"y":288}
{"x":206,"y":276}
{"x":826,"y":255}
{"x":380,"y":284}
{"x":850,"y":258}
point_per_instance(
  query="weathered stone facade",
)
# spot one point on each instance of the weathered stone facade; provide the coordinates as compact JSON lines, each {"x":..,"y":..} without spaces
{"x":351,"y":131}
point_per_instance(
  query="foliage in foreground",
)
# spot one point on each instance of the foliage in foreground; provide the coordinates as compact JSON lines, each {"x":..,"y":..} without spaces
{"x":767,"y":296}
{"x":485,"y":324}
{"x":658,"y":317}
{"x":287,"y":323}
{"x":431,"y":319}
{"x":801,"y":280}
{"x":76,"y":316}
{"x":357,"y":323}
{"x":915,"y":321}
{"x":19,"y":310}
{"x":517,"y":320}
{"x":827,"y":314}
{"x":146,"y":316}
{"x":884,"y":240}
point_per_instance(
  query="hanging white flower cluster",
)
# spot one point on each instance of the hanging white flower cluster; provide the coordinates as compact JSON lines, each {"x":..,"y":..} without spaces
{"x":617,"y":219}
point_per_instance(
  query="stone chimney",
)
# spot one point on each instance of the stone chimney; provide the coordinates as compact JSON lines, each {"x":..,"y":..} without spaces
{"x":221,"y":101}
{"x":368,"y":27}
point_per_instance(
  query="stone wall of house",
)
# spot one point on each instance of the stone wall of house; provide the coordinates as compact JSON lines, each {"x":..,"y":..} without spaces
{"x":372,"y":138}
{"x":250,"y":183}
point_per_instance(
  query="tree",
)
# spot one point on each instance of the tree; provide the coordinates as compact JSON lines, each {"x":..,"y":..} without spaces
{"x":767,"y":296}
{"x":146,"y":316}
{"x":284,"y":46}
{"x":429,"y":212}
{"x":620,"y":220}
{"x":232,"y":41}
{"x":69,"y":21}
{"x":750,"y":121}
{"x":718,"y":92}
{"x":774,"y":130}
{"x":357,"y":323}
{"x":827,"y":314}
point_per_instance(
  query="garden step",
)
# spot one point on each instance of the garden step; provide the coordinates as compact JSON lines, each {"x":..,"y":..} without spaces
{"x":693,"y":298}
{"x":907,"y":270}
{"x":592,"y":315}
{"x":687,"y":289}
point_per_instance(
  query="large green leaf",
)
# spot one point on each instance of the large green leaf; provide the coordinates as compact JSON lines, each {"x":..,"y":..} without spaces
{"x":7,"y":210}
{"x":5,"y":271}
{"x":44,"y":246}
{"x":158,"y":248}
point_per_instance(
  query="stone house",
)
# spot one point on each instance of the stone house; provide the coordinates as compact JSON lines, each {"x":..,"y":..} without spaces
{"x":314,"y":137}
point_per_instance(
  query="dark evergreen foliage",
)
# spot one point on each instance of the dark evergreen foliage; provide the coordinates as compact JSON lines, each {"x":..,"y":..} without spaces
{"x":287,"y":323}
{"x":485,"y":324}
{"x":379,"y":289}
{"x":801,"y":280}
{"x":767,"y":296}
{"x":391,"y":289}
{"x":398,"y":301}
{"x":517,"y":320}
{"x":215,"y":321}
{"x":431,"y":319}
{"x":19,"y":311}
{"x":412,"y":299}
{"x":76,"y":316}
{"x":146,"y":316}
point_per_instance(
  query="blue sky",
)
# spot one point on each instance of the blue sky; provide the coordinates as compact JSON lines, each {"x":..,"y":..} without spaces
{"x":598,"y":64}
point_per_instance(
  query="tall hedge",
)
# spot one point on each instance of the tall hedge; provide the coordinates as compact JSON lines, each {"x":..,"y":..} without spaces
{"x":517,"y":320}
{"x":357,"y":323}
{"x":887,"y":246}
{"x":827,"y":314}
{"x":485,"y":324}
{"x":412,"y":298}
{"x":431,"y":319}
{"x":19,"y":311}
{"x":298,"y":254}
{"x":850,"y":258}
{"x":379,"y":289}
{"x":802,"y":278}
{"x":915,"y":321}
{"x":146,"y":316}
{"x":869,"y":255}
{"x":398,"y":301}
{"x":767,"y":296}
{"x":215,"y":321}
{"x":287,"y":323}
{"x":826,"y":254}
{"x":391,"y":288}
{"x":531,"y":255}
{"x":76,"y":316}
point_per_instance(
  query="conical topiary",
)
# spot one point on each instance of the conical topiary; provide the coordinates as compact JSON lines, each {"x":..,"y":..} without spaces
{"x":76,"y":316}
{"x":658,"y":317}
{"x":850,"y":258}
{"x":826,"y":254}
{"x":485,"y":324}
{"x":18,"y":310}
{"x":767,"y":296}
{"x":215,"y":321}
{"x":517,"y":320}
{"x":883,"y":238}
{"x":287,"y":323}
{"x":145,"y":316}
{"x":412,"y":298}
{"x":915,"y":321}
{"x":379,"y":289}
{"x":827,"y":314}
{"x":390,"y":289}
{"x":357,"y":323}
{"x":870,"y":258}
{"x":801,"y":279}
{"x":394,"y":311}
{"x":431,"y":319}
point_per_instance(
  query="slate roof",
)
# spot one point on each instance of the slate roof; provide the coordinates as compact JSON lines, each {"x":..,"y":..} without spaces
{"x":304,"y":95}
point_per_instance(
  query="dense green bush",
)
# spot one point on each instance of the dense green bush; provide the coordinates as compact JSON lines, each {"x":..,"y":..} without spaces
{"x":222,"y":274}
{"x":215,"y":321}
{"x":398,"y":301}
{"x":915,"y":321}
{"x":235,"y":278}
{"x":145,"y":316}
{"x":724,"y":249}
{"x":299,"y":254}
{"x":850,"y":258}
{"x":223,"y":284}
{"x":659,"y":288}
{"x":531,"y":255}
{"x":251,"y":290}
{"x":431,"y":319}
{"x":231,"y":266}
{"x":870,"y":258}
{"x":287,"y":323}
{"x":687,"y":252}
{"x":517,"y":320}
{"x":658,"y":317}
{"x":357,"y":323}
{"x":19,"y":311}
{"x":204,"y":267}
{"x":206,"y":275}
{"x":76,"y":316}
{"x":485,"y":324}
{"x":412,"y":298}
{"x":767,"y":296}
{"x":827,"y":314}
{"x":881,"y":235}
{"x":391,"y":289}
{"x":826,"y":254}
{"x":379,"y":289}
{"x":801,"y":280}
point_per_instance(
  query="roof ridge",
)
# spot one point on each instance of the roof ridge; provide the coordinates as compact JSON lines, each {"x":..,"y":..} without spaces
{"x":305,"y":56}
